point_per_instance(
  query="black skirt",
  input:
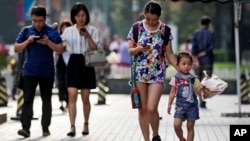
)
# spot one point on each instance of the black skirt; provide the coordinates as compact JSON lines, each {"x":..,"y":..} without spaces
{"x":79,"y":75}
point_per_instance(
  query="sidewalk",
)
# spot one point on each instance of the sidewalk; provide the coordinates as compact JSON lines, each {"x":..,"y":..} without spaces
{"x":116,"y":121}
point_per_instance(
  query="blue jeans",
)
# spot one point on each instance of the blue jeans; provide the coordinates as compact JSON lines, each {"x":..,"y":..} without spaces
{"x":29,"y":87}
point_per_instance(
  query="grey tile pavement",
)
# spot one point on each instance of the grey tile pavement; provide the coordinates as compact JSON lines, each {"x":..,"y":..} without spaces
{"x":116,"y":121}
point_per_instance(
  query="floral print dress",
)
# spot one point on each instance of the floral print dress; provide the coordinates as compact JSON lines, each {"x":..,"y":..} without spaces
{"x":150,"y":65}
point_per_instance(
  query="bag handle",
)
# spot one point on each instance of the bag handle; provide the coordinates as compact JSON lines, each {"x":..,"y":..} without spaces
{"x":133,"y":71}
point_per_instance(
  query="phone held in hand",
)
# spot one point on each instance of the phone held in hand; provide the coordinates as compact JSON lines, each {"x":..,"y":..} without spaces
{"x":38,"y":37}
{"x":83,"y":30}
{"x":149,"y":44}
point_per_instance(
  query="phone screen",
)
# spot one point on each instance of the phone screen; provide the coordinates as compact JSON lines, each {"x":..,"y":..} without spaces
{"x":38,"y":37}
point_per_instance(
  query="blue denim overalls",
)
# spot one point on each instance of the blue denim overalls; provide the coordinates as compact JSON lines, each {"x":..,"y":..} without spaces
{"x":184,"y":109}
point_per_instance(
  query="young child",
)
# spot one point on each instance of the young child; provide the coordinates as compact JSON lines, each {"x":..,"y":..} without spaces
{"x":184,"y":86}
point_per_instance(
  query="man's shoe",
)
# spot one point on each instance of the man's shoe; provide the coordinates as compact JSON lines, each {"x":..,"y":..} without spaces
{"x":46,"y":133}
{"x":23,"y":133}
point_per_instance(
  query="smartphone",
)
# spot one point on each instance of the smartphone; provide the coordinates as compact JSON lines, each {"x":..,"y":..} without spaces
{"x":83,"y":30}
{"x":38,"y":37}
{"x":149,"y":44}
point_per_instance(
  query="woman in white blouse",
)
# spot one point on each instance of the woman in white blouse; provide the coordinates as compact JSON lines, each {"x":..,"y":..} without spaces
{"x":79,"y":38}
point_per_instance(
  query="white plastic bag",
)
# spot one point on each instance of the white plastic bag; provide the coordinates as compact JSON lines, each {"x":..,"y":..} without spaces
{"x":213,"y":86}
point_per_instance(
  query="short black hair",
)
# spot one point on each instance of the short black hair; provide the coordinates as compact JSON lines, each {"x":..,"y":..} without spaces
{"x":65,"y":23}
{"x":205,"y":20}
{"x":76,"y":8}
{"x":153,"y":8}
{"x":38,"y":10}
{"x":183,"y":54}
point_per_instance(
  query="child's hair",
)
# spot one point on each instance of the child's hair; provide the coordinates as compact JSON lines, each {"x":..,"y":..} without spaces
{"x":183,"y":54}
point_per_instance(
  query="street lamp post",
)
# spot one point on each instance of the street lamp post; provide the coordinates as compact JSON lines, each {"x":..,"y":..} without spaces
{"x":48,"y":8}
{"x":135,"y":9}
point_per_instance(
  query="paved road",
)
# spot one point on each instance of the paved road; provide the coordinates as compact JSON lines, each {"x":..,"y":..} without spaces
{"x":118,"y":122}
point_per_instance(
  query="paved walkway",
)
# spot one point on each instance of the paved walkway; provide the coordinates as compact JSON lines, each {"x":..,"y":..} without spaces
{"x":118,"y":122}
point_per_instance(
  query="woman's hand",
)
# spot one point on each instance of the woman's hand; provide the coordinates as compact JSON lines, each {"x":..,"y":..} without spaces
{"x":84,"y":32}
{"x":137,"y":48}
{"x":142,"y":48}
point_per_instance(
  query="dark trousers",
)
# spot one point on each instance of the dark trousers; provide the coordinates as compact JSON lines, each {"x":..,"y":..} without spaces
{"x":29,"y":87}
{"x":200,"y":74}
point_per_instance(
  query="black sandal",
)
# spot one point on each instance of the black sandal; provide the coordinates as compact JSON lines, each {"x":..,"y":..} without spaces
{"x":156,"y":138}
{"x":85,"y":132}
{"x":72,"y":133}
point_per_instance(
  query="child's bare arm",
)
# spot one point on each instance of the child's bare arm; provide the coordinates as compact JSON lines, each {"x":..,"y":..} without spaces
{"x":171,"y":98}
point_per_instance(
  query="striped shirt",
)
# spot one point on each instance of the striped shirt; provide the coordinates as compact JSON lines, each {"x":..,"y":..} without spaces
{"x":77,"y":44}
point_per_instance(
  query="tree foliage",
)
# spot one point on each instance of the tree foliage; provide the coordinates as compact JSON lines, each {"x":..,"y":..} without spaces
{"x":121,"y":17}
{"x":183,"y":14}
{"x":187,"y":16}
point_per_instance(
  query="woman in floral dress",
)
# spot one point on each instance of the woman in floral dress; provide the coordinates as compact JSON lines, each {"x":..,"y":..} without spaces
{"x":149,"y":43}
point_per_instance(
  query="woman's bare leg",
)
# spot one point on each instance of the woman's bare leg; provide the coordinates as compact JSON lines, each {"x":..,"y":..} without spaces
{"x":154,"y":95}
{"x":143,"y":115}
{"x":72,"y":104}
{"x":86,"y":108}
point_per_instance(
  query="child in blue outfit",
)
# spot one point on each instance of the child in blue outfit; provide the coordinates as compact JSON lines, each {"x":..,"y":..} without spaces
{"x":185,"y":86}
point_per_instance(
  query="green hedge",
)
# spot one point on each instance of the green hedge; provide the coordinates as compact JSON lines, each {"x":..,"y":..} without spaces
{"x":223,"y":55}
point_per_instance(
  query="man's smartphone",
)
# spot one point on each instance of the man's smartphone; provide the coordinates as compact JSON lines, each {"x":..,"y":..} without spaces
{"x":38,"y":37}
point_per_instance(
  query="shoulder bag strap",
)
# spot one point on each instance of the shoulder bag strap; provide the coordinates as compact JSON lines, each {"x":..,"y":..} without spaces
{"x":21,"y":55}
{"x":133,"y":60}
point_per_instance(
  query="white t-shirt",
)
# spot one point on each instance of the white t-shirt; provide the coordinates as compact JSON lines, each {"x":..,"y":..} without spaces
{"x":77,"y":44}
{"x":114,"y":46}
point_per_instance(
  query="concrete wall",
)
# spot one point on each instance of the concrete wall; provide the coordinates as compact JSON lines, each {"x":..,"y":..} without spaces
{"x":121,"y":86}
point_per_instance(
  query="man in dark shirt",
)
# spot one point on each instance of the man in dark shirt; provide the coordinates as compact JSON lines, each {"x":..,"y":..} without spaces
{"x":202,"y":49}
{"x":38,"y":41}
